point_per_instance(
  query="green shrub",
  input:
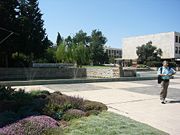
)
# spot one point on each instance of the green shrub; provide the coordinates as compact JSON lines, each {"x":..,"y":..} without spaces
{"x":8,"y":105}
{"x":7,"y":117}
{"x":92,"y":112}
{"x":6,"y":92}
{"x":93,"y":105}
{"x":54,"y":131}
{"x":73,"y":113}
{"x":39,"y":92}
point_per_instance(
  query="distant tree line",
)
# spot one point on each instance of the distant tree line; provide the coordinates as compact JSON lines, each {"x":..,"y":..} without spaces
{"x":81,"y":49}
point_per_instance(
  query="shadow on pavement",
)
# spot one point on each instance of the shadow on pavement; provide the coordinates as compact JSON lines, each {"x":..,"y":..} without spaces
{"x":173,"y":101}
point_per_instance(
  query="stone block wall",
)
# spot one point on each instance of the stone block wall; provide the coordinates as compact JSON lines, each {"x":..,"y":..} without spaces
{"x":107,"y":72}
{"x":41,"y":73}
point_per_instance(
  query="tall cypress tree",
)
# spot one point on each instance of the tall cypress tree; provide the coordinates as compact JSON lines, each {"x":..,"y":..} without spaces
{"x":59,"y":39}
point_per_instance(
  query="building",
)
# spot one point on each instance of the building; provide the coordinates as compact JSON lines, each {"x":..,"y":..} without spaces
{"x":113,"y":52}
{"x":168,"y":42}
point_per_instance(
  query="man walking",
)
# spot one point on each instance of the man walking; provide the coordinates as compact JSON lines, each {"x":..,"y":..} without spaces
{"x":165,"y":72}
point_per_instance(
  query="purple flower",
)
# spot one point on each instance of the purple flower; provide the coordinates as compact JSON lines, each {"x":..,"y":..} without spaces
{"x":32,"y":125}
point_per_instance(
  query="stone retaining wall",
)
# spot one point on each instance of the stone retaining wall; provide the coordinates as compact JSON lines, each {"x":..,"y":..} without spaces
{"x":107,"y":72}
{"x":40,"y":73}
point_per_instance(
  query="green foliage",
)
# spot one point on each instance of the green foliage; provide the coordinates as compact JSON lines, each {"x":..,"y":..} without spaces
{"x":81,"y":37}
{"x":6,"y":92}
{"x":92,"y":112}
{"x":7,"y":117}
{"x":53,"y":131}
{"x":61,"y":53}
{"x":172,"y":64}
{"x":97,"y":47}
{"x":23,"y":20}
{"x":76,"y":53}
{"x":39,"y":93}
{"x":93,"y":105}
{"x":72,"y":114}
{"x":58,"y":104}
{"x":59,"y":39}
{"x":55,"y":105}
{"x":147,"y":53}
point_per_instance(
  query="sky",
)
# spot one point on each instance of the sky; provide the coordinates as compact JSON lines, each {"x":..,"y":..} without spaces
{"x":116,"y":19}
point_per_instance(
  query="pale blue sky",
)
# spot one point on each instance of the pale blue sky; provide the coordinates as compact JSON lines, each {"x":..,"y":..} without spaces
{"x":115,"y":18}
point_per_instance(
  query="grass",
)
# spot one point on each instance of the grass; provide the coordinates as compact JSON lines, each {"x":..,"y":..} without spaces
{"x":108,"y":123}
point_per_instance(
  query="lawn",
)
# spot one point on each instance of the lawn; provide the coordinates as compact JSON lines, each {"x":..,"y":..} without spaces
{"x":108,"y":123}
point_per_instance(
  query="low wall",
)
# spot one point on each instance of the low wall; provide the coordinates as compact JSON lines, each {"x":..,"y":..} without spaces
{"x":129,"y":73}
{"x":40,"y":73}
{"x":106,"y":72}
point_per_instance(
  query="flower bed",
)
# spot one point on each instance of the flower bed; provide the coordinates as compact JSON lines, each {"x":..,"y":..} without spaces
{"x":33,"y":113}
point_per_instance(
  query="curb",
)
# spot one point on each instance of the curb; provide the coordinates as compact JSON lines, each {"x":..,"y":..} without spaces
{"x":71,"y":81}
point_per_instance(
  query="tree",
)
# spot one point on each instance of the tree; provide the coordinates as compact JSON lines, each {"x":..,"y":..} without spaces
{"x":81,"y":55}
{"x":76,"y":54}
{"x":59,"y":39}
{"x":23,"y":20}
{"x":147,"y":52}
{"x":8,"y":27}
{"x":97,"y":47}
{"x":69,"y":41}
{"x":61,"y":53}
{"x":33,"y":37}
{"x":81,"y":37}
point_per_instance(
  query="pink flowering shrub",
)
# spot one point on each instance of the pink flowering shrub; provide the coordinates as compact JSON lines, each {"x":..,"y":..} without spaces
{"x":34,"y":125}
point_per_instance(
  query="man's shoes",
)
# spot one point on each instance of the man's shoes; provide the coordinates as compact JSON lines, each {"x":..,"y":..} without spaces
{"x":163,"y":102}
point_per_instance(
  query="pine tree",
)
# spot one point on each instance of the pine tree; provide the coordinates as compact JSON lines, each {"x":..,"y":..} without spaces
{"x":8,"y":25}
{"x":33,"y":36}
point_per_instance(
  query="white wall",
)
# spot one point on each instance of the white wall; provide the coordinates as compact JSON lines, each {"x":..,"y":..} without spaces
{"x":165,"y":41}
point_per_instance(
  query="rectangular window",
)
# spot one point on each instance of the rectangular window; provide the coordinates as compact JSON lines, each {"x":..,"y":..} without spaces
{"x":179,"y":39}
{"x":176,"y":50}
{"x":179,"y":50}
{"x":176,"y":39}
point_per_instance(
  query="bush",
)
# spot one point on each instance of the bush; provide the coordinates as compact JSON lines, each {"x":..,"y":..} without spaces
{"x":92,"y":112}
{"x":6,"y":92}
{"x":93,"y":105}
{"x":8,"y":105}
{"x":30,"y":126}
{"x":154,"y":63}
{"x":40,"y":94}
{"x":73,"y":113}
{"x":58,"y":104}
{"x":7,"y":117}
{"x":53,"y":131}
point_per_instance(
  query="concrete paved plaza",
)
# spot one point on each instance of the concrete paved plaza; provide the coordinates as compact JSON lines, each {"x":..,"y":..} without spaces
{"x":138,"y":100}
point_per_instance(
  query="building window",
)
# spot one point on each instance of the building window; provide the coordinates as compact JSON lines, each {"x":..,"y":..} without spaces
{"x":176,"y":39}
{"x":176,"y":50}
{"x":179,"y":50}
{"x":179,"y":39}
